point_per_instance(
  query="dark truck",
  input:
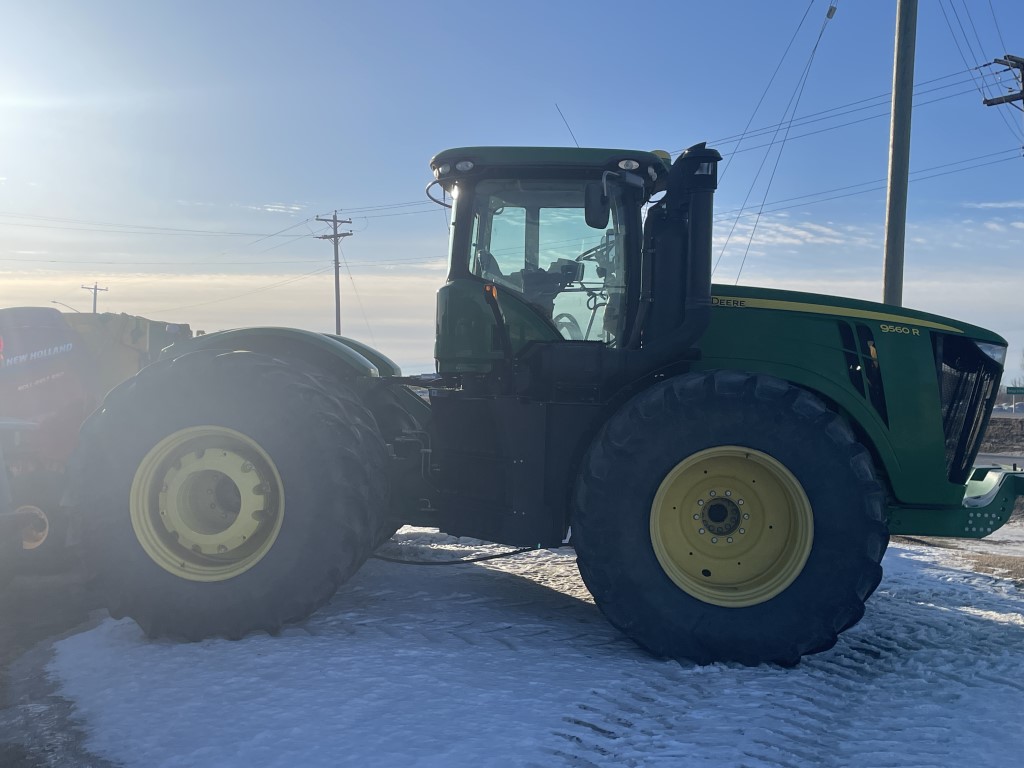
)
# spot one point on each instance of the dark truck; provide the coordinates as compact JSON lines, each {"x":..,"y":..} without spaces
{"x":55,"y":369}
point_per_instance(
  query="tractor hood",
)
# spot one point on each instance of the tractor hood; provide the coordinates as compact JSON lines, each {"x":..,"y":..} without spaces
{"x":728,"y":296}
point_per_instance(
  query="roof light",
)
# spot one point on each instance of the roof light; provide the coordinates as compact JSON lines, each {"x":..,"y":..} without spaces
{"x":464,"y":165}
{"x":628,"y":165}
{"x":442,"y":170}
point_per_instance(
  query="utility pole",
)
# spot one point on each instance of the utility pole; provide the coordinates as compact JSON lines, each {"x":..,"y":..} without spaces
{"x":336,"y":236}
{"x":899,"y":151}
{"x":95,"y":288}
{"x":1013,"y":62}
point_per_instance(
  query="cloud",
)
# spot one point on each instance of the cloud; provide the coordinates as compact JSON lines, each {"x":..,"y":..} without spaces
{"x":994,"y":226}
{"x":277,"y":207}
{"x":1001,"y":204}
{"x":770,"y":231}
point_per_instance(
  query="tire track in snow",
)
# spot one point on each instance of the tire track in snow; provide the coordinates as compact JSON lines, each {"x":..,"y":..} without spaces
{"x":508,"y":610}
{"x":509,"y":663}
{"x":906,"y":627}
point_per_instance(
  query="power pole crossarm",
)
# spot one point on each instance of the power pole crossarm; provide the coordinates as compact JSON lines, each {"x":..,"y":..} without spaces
{"x":95,"y":288}
{"x":336,"y":237}
{"x":1013,"y":62}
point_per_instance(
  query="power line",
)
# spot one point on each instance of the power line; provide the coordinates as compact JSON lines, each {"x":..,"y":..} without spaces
{"x":882,"y":186}
{"x":799,"y":95}
{"x":130,"y":229}
{"x":722,"y":215}
{"x":841,"y":109}
{"x":998,"y":30}
{"x":359,"y":300}
{"x":764,"y":158}
{"x":767,"y":87}
{"x":817,"y":117}
{"x":855,"y":122}
{"x":977,"y":37}
{"x":719,"y":216}
{"x":567,"y":125}
{"x":310,"y":233}
{"x":417,"y":261}
{"x":807,"y":120}
{"x":107,"y":227}
{"x":247,"y":293}
{"x":350,"y":211}
{"x":134,"y":263}
{"x":279,"y":233}
{"x":402,"y":213}
{"x":1017,"y":135}
{"x":411,"y":260}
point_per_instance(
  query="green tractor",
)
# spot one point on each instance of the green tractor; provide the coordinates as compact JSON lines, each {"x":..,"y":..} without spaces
{"x":727,"y":462}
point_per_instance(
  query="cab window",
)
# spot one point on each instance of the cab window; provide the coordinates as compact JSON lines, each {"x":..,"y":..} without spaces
{"x":531,"y":237}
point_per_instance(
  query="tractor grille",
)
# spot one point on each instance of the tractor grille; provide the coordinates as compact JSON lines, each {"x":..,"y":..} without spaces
{"x":968,"y":384}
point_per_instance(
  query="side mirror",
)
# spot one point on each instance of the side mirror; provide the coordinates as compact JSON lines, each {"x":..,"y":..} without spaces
{"x":596,"y":205}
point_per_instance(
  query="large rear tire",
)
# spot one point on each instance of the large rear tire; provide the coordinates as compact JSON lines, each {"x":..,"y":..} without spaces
{"x":723,"y":516}
{"x":226,"y":492}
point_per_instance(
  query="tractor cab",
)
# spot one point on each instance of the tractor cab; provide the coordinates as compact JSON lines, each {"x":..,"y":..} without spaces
{"x":550,"y":245}
{"x":546,"y":246}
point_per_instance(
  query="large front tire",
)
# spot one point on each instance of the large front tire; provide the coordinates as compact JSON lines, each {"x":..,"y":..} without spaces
{"x":723,"y":516}
{"x":226,"y":492}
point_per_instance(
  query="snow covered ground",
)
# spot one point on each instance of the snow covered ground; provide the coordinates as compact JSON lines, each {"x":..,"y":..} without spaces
{"x":508,"y":663}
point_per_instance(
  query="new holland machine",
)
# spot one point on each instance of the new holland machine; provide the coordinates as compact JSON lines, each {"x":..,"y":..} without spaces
{"x":55,"y":369}
{"x":728,"y":462}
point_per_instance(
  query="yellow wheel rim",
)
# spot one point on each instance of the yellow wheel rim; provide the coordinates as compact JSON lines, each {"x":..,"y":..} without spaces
{"x":207,"y":503}
{"x":731,"y":526}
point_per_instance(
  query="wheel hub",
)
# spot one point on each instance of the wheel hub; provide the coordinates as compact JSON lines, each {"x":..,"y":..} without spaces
{"x":731,"y":526}
{"x":720,"y":514}
{"x":207,"y":503}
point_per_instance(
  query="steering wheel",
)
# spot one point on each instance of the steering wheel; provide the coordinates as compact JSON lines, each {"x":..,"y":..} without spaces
{"x":595,"y":253}
{"x":567,"y":325}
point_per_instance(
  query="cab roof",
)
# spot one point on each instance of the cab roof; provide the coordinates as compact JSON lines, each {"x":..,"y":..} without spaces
{"x":547,"y":156}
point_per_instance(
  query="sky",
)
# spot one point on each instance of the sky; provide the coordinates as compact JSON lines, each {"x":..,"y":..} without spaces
{"x":178,"y":154}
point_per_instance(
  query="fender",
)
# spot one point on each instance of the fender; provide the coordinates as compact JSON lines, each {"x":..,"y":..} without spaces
{"x":335,"y":354}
